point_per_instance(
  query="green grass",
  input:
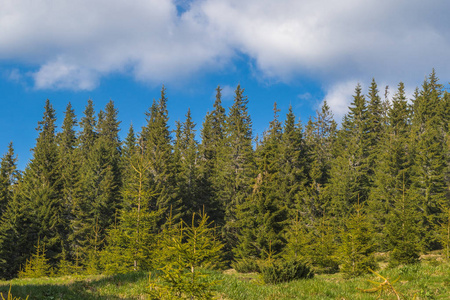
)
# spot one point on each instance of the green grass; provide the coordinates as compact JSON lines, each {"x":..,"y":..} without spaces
{"x":428,"y":280}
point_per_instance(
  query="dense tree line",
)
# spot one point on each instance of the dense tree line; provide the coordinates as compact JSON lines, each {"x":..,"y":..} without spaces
{"x":327,"y":194}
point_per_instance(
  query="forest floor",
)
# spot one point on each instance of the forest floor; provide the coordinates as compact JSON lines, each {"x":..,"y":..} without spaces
{"x":428,"y":280}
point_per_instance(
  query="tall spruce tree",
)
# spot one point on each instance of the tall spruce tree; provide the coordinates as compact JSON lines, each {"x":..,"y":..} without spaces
{"x":130,"y":243}
{"x":186,"y":149}
{"x":88,"y":123}
{"x":42,"y":190}
{"x":9,"y":177}
{"x":262,"y":218}
{"x":375,"y":127}
{"x":320,"y":139}
{"x":69,"y":166}
{"x":349,"y":179}
{"x":129,"y":145}
{"x":293,"y":161}
{"x":110,"y":141}
{"x":99,"y":198}
{"x":12,"y":221}
{"x":429,"y":155}
{"x":212,"y":150}
{"x":101,"y":181}
{"x":81,"y":224}
{"x":237,"y":167}
{"x":394,"y":164}
{"x":158,"y":150}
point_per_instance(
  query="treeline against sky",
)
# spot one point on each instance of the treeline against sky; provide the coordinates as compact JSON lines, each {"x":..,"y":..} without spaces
{"x":330,"y":196}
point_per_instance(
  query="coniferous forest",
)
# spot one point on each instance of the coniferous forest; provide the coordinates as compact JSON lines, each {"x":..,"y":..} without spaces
{"x":329,"y":195}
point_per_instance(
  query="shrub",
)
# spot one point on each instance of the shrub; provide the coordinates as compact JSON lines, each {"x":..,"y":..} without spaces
{"x":246,"y":266}
{"x":185,"y":250}
{"x":285,"y":270}
{"x":401,"y":255}
{"x":37,"y":266}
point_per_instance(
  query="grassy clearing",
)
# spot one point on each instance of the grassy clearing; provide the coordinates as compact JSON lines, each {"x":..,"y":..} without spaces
{"x":423,"y":281}
{"x":429,"y":280}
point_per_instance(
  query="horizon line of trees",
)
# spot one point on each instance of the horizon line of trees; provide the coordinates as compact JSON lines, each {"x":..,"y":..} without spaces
{"x":327,"y":195}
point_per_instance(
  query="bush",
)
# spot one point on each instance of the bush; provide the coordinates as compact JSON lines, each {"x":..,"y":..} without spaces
{"x":404,"y":256}
{"x":37,"y":266}
{"x":285,"y":270}
{"x":185,"y":250}
{"x":246,"y":266}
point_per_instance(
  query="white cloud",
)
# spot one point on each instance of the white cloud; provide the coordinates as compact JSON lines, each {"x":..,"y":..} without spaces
{"x":328,"y":39}
{"x":75,"y":43}
{"x":339,"y":97}
{"x":61,"y":75}
{"x":305,"y":96}
{"x":228,"y":92}
{"x":14,"y":75}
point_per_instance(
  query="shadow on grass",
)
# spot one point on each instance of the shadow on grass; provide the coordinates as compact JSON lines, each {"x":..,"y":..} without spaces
{"x":93,"y":287}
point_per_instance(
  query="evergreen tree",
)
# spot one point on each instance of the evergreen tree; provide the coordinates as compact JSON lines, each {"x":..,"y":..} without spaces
{"x":322,"y":252}
{"x":109,"y":142}
{"x":101,"y":181}
{"x":130,"y":145}
{"x":262,"y":218}
{"x":11,"y":221}
{"x":443,"y":232}
{"x":298,"y":239}
{"x":42,"y":190}
{"x":212,"y":150}
{"x":429,"y":155}
{"x":237,"y":168}
{"x":88,"y":123}
{"x":375,"y":126}
{"x":292,"y":160}
{"x":186,"y":153}
{"x":102,"y":178}
{"x":14,"y":240}
{"x":320,"y":138}
{"x":69,"y":166}
{"x":350,"y":169}
{"x":9,"y":177}
{"x":81,"y":224}
{"x":158,"y":150}
{"x":403,"y":230}
{"x":394,"y":164}
{"x":38,"y":265}
{"x":357,"y":248}
{"x":131,"y":241}
{"x":186,"y":249}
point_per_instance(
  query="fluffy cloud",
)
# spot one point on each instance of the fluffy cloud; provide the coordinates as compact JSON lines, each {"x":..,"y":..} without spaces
{"x":75,"y":43}
{"x":339,"y":97}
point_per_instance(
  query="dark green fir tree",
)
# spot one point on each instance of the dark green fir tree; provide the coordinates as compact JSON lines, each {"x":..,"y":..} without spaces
{"x":237,"y":166}
{"x":262,"y":218}
{"x":69,"y":167}
{"x":158,"y":149}
{"x":349,"y":176}
{"x":428,"y":143}
{"x":9,"y":178}
{"x":212,"y":151}
{"x":42,"y":190}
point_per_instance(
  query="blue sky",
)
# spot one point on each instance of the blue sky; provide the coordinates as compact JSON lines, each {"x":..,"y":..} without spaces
{"x":289,"y":51}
